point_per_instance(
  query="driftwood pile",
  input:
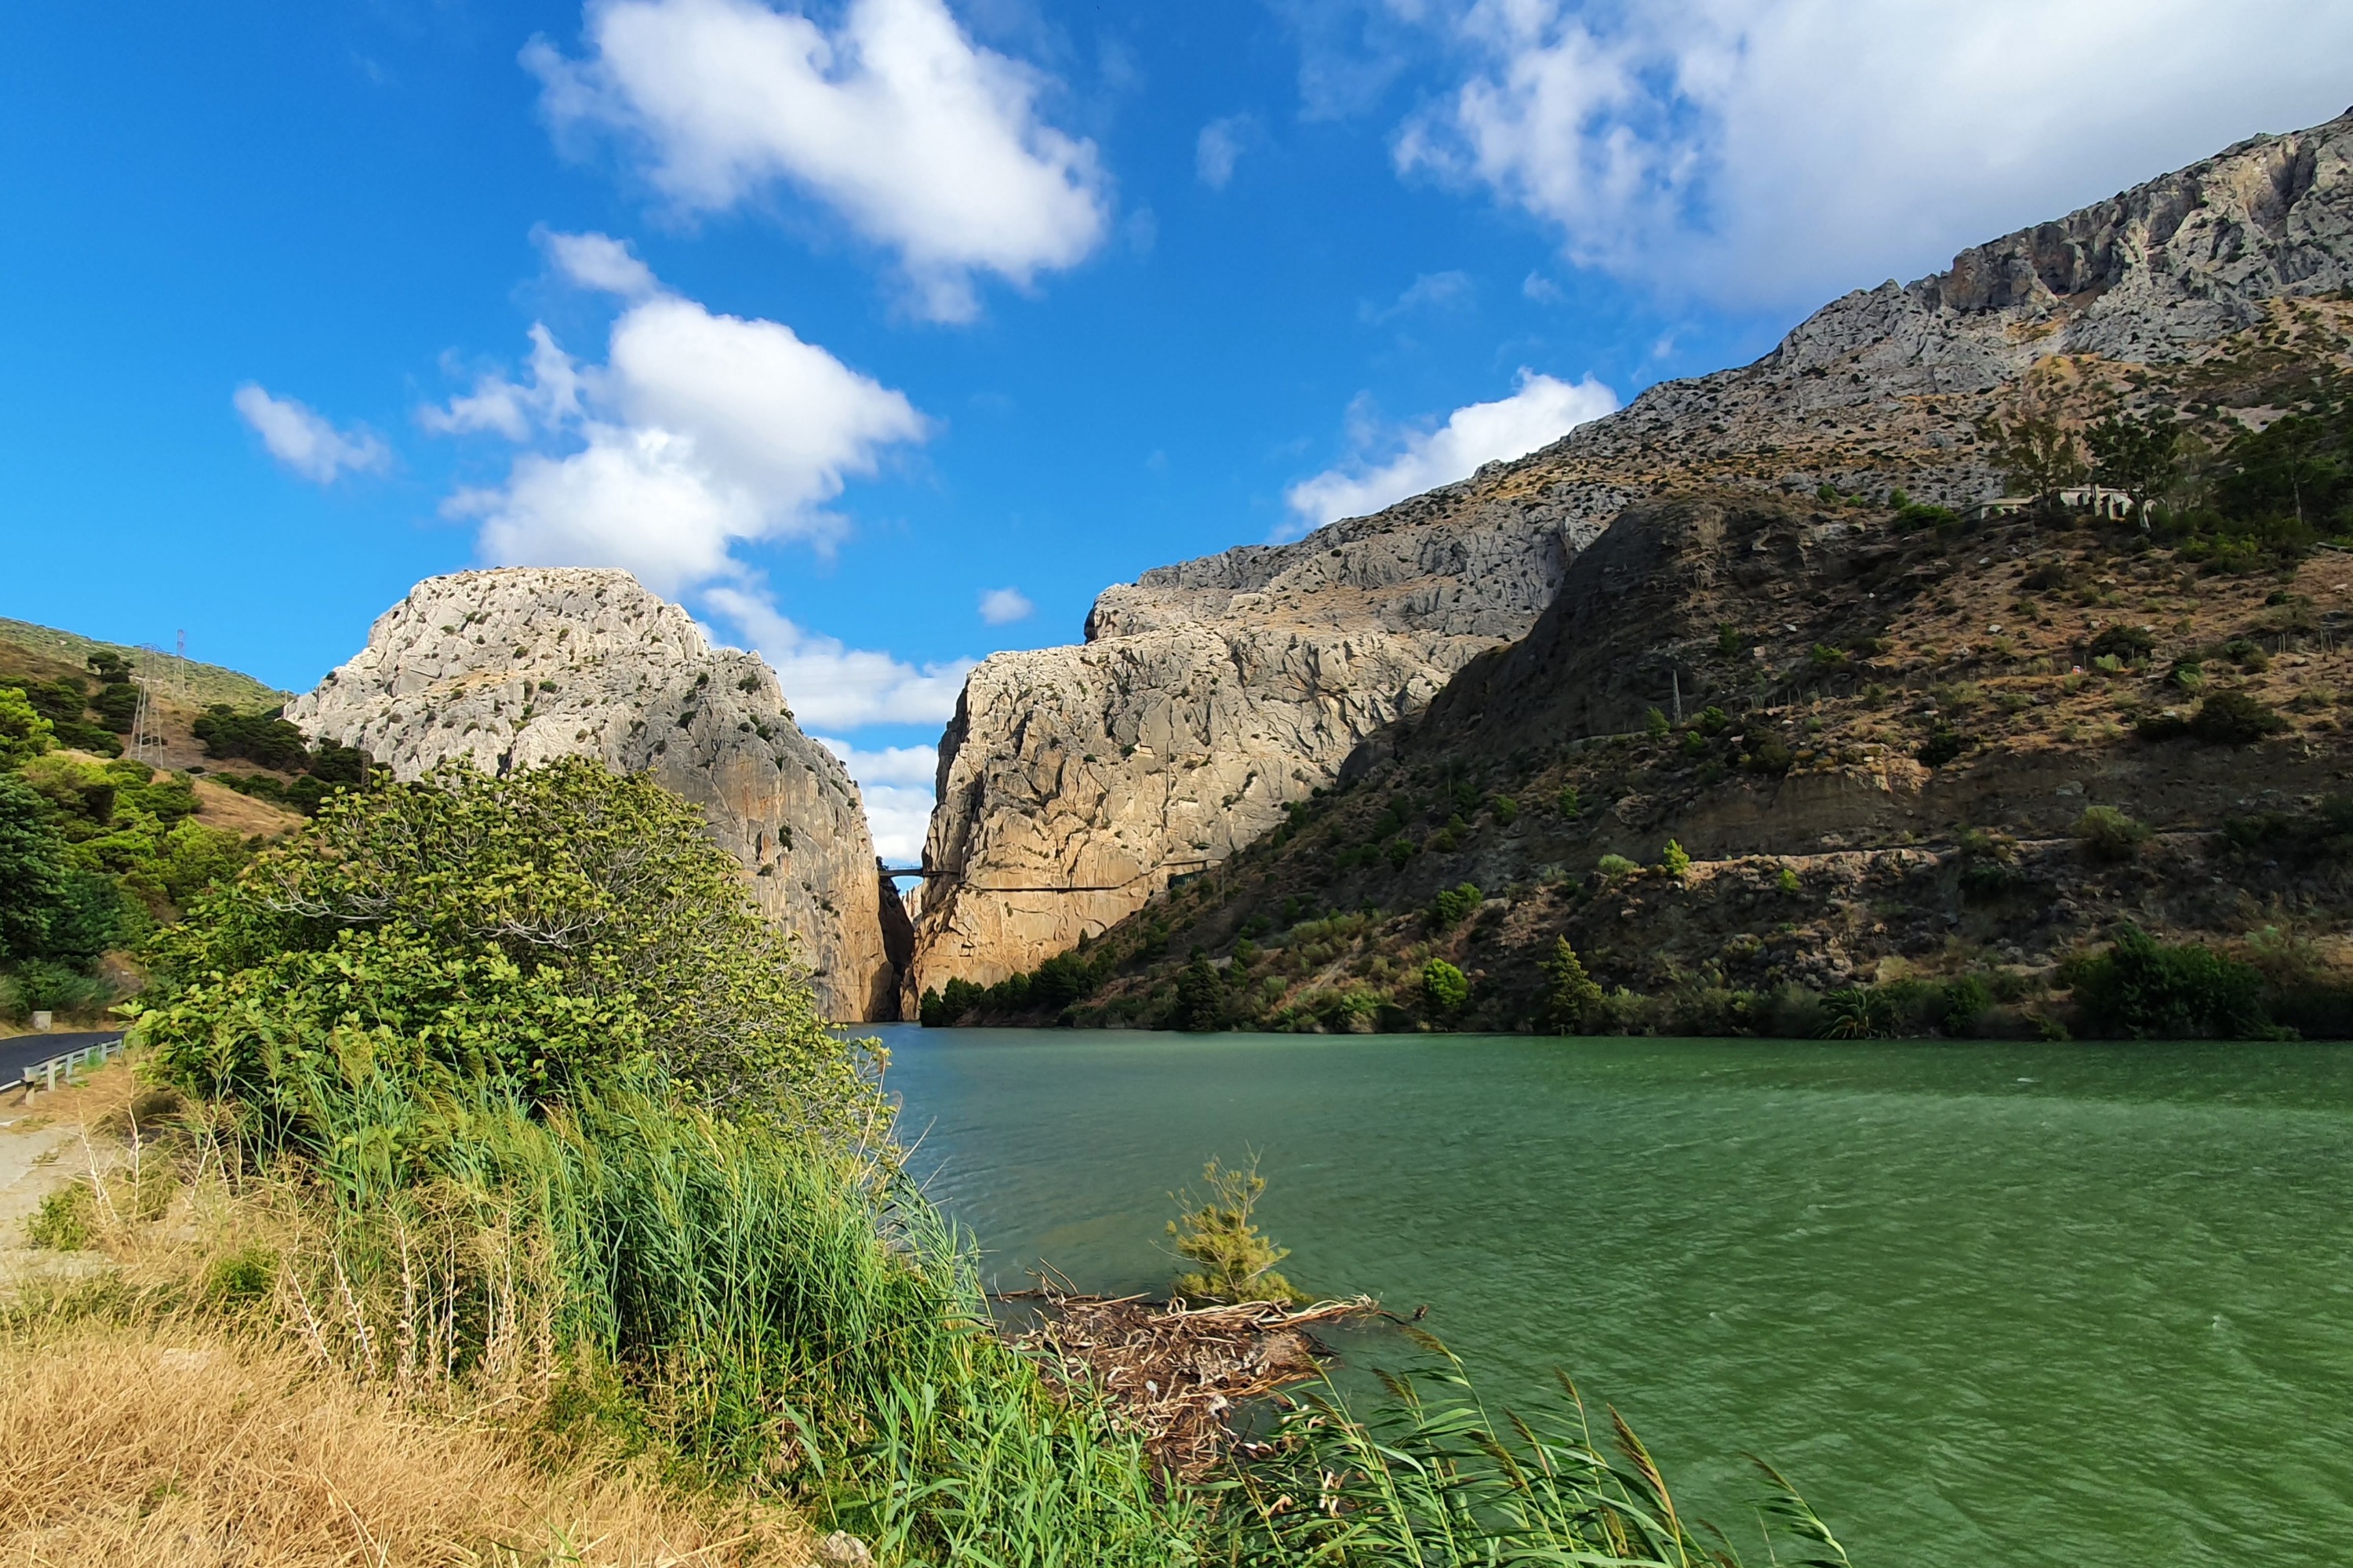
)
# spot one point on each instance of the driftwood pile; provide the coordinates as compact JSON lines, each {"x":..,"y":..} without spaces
{"x":1178,"y":1373}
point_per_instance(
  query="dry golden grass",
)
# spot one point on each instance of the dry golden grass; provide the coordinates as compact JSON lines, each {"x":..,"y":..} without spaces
{"x":137,"y":1432}
{"x":176,"y":1444}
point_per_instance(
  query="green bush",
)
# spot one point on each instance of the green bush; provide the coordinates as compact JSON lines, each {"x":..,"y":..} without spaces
{"x":554,"y":927}
{"x":1568,"y":803}
{"x":1859,"y":1012}
{"x":2145,"y":989}
{"x":1675,"y":861}
{"x":1944,"y":744}
{"x":25,"y":732}
{"x":2233,"y":718}
{"x":1454,"y":904}
{"x":1963,"y":1004}
{"x":2126,"y":644}
{"x":2110,"y":835}
{"x":67,"y":1220}
{"x":1444,"y":988}
{"x":1218,"y":1232}
{"x":1616,"y":867}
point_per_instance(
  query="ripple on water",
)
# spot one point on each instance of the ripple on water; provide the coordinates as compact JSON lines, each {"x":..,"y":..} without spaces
{"x":2015,"y":1304}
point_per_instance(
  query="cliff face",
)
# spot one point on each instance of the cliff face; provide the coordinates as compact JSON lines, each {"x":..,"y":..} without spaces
{"x":1209,"y":695}
{"x":511,"y":667}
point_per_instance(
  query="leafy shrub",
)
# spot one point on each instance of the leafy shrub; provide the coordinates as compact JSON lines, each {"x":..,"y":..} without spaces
{"x":2145,"y":989}
{"x":1788,"y":881}
{"x":2126,"y":644}
{"x":1445,"y":988}
{"x":1964,"y":1004}
{"x":1218,"y":1232}
{"x":1944,"y":744}
{"x":2109,"y":834}
{"x":25,"y":732}
{"x":560,"y":925}
{"x":1454,"y":904}
{"x":1771,"y":759}
{"x":1616,"y":867}
{"x":1675,"y":861}
{"x":1568,"y":803}
{"x":1859,"y":1012}
{"x":1507,"y":810}
{"x":264,"y":737}
{"x":1654,"y":723}
{"x":67,"y":1220}
{"x":2233,"y":718}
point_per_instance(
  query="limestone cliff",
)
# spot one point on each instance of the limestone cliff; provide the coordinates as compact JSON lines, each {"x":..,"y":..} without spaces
{"x":511,"y":667}
{"x":1075,"y":781}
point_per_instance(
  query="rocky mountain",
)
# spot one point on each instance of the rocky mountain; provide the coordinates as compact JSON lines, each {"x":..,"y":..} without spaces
{"x":1211,"y":697}
{"x":514,"y":666}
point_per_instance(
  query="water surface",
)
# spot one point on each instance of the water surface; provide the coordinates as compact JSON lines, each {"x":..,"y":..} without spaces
{"x":1987,"y":1304}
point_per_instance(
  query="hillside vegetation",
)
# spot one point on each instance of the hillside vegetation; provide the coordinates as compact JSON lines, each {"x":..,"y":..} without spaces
{"x":1847,"y":763}
{"x":496,"y":1138}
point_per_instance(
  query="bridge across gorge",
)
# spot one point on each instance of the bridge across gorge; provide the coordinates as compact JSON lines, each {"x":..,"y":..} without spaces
{"x":927,"y":873}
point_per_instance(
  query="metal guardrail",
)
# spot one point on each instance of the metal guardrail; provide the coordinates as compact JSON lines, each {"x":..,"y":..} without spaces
{"x":45,"y":1074}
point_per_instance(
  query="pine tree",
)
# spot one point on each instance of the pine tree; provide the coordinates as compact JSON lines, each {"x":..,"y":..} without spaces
{"x":1570,"y":994}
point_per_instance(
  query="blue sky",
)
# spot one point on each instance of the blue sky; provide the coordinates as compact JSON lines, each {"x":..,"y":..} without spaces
{"x":885,"y":333}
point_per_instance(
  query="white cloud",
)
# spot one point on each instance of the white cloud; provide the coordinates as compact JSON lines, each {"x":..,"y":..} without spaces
{"x":498,"y":405}
{"x":1220,"y":147}
{"x":1767,"y":152}
{"x":601,"y":262}
{"x":1430,"y":291}
{"x":701,"y":432}
{"x":1002,"y":607}
{"x":925,"y":142}
{"x":831,"y":685}
{"x":897,"y":783}
{"x":1541,"y":411}
{"x":1541,"y":289}
{"x":302,"y":439}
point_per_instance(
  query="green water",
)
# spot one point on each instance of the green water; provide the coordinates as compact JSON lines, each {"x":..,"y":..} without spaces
{"x":1987,"y":1304}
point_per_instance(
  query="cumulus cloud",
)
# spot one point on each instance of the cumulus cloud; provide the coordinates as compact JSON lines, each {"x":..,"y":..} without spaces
{"x":923,"y":141}
{"x":831,"y":685}
{"x":1220,"y":148}
{"x":299,"y":437}
{"x":897,"y":783}
{"x":1002,"y":607}
{"x":1767,"y":152}
{"x":1541,"y":411}
{"x":701,"y":431}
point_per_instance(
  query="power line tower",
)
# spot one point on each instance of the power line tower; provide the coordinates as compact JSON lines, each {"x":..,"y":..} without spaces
{"x":179,"y":672}
{"x":146,"y":723}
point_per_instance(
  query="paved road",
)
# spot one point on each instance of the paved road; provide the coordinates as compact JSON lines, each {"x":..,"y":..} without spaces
{"x":23,"y":1050}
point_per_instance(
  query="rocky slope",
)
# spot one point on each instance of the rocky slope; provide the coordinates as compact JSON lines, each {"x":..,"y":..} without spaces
{"x":511,"y":667}
{"x":1074,"y":782}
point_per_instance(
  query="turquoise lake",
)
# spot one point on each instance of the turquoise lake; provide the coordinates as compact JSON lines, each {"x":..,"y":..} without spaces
{"x":1984,"y":1303}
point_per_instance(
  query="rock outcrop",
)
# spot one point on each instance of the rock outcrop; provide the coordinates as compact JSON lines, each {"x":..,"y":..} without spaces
{"x":1076,"y":781}
{"x":516,"y":666}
